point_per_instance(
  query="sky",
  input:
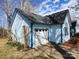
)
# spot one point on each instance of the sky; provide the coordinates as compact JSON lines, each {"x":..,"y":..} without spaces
{"x":46,"y":7}
{"x":3,"y":20}
{"x":43,"y":7}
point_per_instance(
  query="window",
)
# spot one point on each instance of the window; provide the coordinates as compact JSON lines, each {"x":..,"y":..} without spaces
{"x":66,"y":31}
{"x":40,"y":30}
{"x":72,"y":32}
{"x":41,"y":34}
{"x":36,"y":30}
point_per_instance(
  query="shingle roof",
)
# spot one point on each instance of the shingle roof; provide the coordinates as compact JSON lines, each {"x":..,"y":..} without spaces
{"x":56,"y":18}
{"x":59,"y":17}
{"x":33,"y":17}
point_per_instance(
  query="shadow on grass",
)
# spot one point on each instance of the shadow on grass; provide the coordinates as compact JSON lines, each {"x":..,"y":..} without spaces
{"x":63,"y":52}
{"x":39,"y":57}
{"x":58,"y":48}
{"x":43,"y":54}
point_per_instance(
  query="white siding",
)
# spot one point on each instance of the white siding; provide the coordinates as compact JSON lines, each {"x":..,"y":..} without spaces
{"x":17,"y":29}
{"x":77,"y":29}
{"x":77,"y":26}
{"x":66,"y":24}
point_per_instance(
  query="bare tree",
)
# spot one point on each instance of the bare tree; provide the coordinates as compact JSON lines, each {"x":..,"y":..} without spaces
{"x":26,"y":6}
{"x":6,"y":6}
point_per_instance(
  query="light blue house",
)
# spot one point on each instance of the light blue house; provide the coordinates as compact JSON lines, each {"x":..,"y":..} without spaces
{"x":41,"y":30}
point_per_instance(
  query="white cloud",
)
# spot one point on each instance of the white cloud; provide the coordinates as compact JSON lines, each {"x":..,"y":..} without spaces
{"x":71,"y":6}
{"x":46,"y":9}
{"x":71,"y":3}
{"x":55,"y":1}
{"x":44,"y":5}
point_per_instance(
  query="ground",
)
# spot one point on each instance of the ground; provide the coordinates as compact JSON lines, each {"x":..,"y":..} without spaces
{"x":43,"y":52}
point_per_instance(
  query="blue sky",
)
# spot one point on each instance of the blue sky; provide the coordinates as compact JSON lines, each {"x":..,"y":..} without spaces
{"x":50,"y":6}
{"x":3,"y":21}
{"x":2,"y":18}
{"x":42,"y":7}
{"x":36,"y":2}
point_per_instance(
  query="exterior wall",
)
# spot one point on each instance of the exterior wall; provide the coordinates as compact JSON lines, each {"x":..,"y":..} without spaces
{"x":55,"y":33}
{"x":77,"y":29}
{"x":77,"y":26}
{"x":35,"y":40}
{"x":17,"y":29}
{"x":66,"y":24}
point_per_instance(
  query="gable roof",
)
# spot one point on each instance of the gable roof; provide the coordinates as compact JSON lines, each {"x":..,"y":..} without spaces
{"x":56,"y":18}
{"x":59,"y":17}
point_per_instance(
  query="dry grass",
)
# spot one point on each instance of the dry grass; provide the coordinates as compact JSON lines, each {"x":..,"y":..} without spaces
{"x":42,"y":52}
{"x":9,"y":52}
{"x":6,"y":52}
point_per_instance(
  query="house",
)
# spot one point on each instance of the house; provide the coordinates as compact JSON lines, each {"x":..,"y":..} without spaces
{"x":41,"y":30}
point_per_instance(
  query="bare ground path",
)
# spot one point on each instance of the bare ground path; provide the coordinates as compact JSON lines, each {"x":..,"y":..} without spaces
{"x":43,"y":52}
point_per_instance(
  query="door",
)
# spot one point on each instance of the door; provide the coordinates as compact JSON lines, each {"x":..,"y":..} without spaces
{"x":41,"y":36}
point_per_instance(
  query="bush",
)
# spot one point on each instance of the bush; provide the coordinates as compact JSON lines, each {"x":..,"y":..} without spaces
{"x":20,"y":46}
{"x":16,"y":44}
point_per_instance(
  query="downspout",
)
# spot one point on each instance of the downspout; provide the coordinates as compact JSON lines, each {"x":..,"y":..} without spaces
{"x":31,"y":35}
{"x":48,"y":34}
{"x":74,"y":30}
{"x":61,"y":34}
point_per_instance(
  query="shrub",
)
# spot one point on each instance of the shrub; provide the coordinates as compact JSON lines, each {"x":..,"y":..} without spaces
{"x":20,"y":46}
{"x":16,"y":44}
